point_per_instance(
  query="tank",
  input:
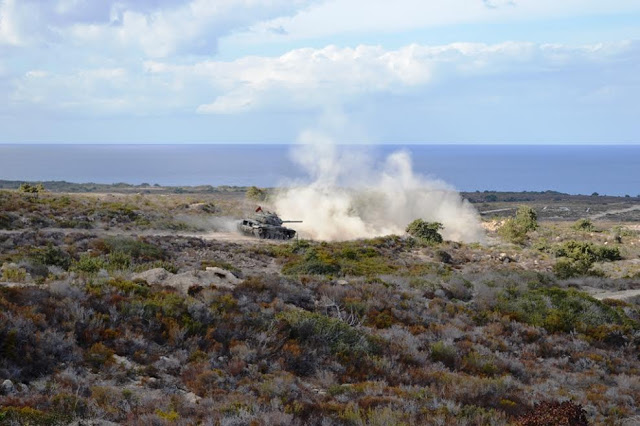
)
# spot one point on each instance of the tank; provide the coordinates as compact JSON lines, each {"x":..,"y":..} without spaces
{"x":266,"y":225}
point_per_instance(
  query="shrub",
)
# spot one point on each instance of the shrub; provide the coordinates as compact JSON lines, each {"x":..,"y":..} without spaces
{"x":557,"y":309}
{"x":14,"y":274}
{"x":27,"y":188}
{"x":136,"y":248}
{"x":587,"y":252}
{"x":129,"y":287}
{"x":88,"y":264}
{"x":256,"y":194}
{"x":98,"y":355}
{"x":314,"y":262}
{"x":527,"y":218}
{"x":29,"y":416}
{"x":583,"y":225}
{"x":51,"y":255}
{"x":425,"y":231}
{"x":118,"y":261}
{"x":515,"y":229}
{"x":170,"y":415}
{"x":476,"y":363}
{"x":168,"y":266}
{"x":441,"y":352}
{"x":337,"y":335}
{"x":443,"y":256}
{"x":577,"y":257}
{"x":349,"y":258}
{"x":566,"y":268}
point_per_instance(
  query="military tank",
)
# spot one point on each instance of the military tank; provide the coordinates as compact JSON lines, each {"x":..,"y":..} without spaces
{"x":266,"y":225}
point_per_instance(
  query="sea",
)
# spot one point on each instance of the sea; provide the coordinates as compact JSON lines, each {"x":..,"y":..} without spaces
{"x":573,"y":169}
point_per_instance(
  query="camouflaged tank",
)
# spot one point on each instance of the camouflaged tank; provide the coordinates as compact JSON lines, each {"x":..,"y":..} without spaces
{"x":266,"y":225}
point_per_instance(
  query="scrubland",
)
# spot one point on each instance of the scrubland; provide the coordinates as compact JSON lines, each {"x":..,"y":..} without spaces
{"x":386,"y":331}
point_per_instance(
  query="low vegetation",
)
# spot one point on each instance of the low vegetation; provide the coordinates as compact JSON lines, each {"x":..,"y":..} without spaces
{"x":98,"y":323}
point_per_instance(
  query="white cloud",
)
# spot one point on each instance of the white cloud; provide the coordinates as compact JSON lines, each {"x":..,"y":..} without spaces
{"x":314,"y":79}
{"x":340,"y":17}
{"x":159,"y":28}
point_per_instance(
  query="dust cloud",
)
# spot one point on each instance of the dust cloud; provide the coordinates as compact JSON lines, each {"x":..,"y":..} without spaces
{"x":351,"y":196}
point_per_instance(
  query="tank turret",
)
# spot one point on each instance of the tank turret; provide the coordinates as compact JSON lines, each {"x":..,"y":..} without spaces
{"x":266,"y":225}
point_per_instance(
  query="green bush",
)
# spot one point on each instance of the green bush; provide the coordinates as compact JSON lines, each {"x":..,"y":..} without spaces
{"x":441,"y":352}
{"x":349,"y":258}
{"x":425,"y":231}
{"x":118,"y":261}
{"x":52,"y":256}
{"x":136,"y":248}
{"x":14,"y":274}
{"x":256,"y":194}
{"x":168,"y":266}
{"x":515,"y":229}
{"x":129,"y":287}
{"x":314,"y":262}
{"x":566,"y":268}
{"x":583,"y":225}
{"x":326,"y":331}
{"x":577,"y":257}
{"x":11,"y":415}
{"x":559,"y":310}
{"x":31,"y":189}
{"x":527,"y":218}
{"x":88,"y":264}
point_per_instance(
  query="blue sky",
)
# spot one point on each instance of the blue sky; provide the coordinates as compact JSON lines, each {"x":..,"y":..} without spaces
{"x":371,"y":71}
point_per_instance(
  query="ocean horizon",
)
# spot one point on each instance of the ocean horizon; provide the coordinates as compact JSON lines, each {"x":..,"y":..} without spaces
{"x":573,"y":169}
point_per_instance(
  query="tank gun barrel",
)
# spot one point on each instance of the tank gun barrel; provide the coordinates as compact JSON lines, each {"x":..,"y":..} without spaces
{"x":291,"y":221}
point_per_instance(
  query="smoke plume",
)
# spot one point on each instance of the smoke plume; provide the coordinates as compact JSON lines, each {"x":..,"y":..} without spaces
{"x":350,"y":196}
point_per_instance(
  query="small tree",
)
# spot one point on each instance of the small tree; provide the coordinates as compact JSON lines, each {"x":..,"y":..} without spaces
{"x":425,"y":231}
{"x":515,"y":229}
{"x":32,"y":190}
{"x":527,"y":218}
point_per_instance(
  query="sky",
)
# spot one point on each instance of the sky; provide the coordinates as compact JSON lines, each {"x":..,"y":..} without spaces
{"x":266,"y":71}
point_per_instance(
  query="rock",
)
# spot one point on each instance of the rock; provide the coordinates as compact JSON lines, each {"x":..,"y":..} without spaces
{"x":191,"y":397}
{"x":152,"y":276}
{"x":223,"y":273}
{"x":123,"y":362}
{"x":168,"y":363}
{"x":7,"y":387}
{"x":342,"y":282}
{"x":212,"y":276}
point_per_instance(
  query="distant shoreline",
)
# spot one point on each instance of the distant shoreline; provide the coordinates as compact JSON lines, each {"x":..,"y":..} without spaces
{"x":485,"y":196}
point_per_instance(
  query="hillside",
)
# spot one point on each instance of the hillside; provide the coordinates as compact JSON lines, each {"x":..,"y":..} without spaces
{"x":146,"y":309}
